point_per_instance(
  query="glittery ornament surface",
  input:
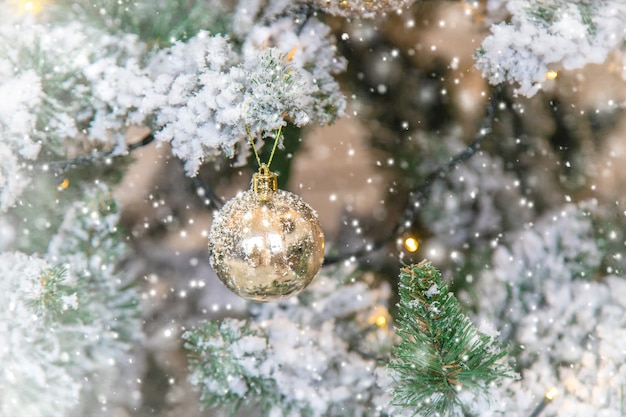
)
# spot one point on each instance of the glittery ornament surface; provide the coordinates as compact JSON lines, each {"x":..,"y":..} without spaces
{"x":362,"y":8}
{"x":266,"y":250}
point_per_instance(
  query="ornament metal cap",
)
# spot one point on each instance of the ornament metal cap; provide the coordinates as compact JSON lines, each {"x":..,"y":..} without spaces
{"x":264,"y":183}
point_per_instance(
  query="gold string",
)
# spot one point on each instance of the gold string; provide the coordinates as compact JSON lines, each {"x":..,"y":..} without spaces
{"x":280,"y":129}
{"x":258,"y":160}
{"x":256,"y":153}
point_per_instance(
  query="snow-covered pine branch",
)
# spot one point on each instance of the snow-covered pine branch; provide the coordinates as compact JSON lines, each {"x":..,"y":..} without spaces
{"x":70,"y":86}
{"x":33,"y":352}
{"x":291,"y":359}
{"x":206,"y":90}
{"x":549,"y":35}
{"x":204,"y":102}
{"x":527,"y":271}
{"x":54,"y":97}
{"x":546,"y":291}
{"x":70,"y":315}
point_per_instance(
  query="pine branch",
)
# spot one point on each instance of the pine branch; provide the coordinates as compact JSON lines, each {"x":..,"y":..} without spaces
{"x":547,"y":12}
{"x":159,"y":23}
{"x":222,"y":359}
{"x":441,"y":352}
{"x":52,"y":301}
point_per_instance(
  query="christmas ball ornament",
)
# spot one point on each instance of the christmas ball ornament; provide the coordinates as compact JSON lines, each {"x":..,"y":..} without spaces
{"x":266,"y":244}
{"x":362,"y":8}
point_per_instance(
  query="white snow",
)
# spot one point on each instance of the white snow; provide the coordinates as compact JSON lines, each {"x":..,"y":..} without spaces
{"x":522,"y":51}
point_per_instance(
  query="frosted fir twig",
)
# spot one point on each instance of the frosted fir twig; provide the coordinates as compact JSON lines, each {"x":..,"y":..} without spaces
{"x":33,"y":357}
{"x":277,"y":367}
{"x":552,"y":34}
{"x":157,"y":22}
{"x":441,"y":352}
{"x":289,"y":359}
{"x":54,"y":97}
{"x":69,"y":318}
{"x":222,"y":354}
{"x":550,"y":292}
{"x":71,"y":86}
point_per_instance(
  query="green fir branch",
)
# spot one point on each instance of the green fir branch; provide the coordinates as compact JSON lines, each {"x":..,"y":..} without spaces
{"x":63,"y":90}
{"x":441,"y":352}
{"x":91,"y":246}
{"x":217,"y":366}
{"x":547,"y":11}
{"x":51,"y":302}
{"x":158,"y":23}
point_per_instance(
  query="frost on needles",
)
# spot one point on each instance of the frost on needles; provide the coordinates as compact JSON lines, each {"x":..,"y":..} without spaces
{"x":551,"y":34}
{"x":441,"y":353}
{"x":68,"y":317}
{"x":313,"y":355}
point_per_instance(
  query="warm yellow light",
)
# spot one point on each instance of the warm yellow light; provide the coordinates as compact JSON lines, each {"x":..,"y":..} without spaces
{"x":551,"y":393}
{"x":379,"y":316}
{"x":292,"y":53}
{"x":551,"y":75}
{"x":469,"y":9}
{"x":411,"y":244}
{"x":64,"y":184}
{"x":31,"y":6}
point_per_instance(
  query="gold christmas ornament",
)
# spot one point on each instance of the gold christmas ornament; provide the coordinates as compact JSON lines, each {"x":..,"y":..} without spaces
{"x":362,"y":8}
{"x":266,"y":244}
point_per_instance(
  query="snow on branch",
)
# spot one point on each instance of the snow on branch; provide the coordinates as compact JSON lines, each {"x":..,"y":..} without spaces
{"x":69,"y":87}
{"x":529,"y":270}
{"x":206,"y":90}
{"x":300,"y":357}
{"x":204,"y":94}
{"x":549,"y":35}
{"x":55,"y":95}
{"x":33,"y":357}
{"x":548,"y":291}
{"x":68,"y":317}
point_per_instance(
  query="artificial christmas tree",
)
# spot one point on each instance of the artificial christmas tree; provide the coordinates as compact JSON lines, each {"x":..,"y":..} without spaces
{"x":512,"y":190}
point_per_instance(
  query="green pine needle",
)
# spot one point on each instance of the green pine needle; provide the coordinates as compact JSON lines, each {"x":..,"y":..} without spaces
{"x":50,"y":303}
{"x":547,"y":12}
{"x":159,"y":22}
{"x":218,"y":368}
{"x":441,"y":352}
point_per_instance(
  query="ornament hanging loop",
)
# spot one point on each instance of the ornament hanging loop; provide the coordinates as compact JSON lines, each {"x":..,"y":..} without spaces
{"x":264,"y":183}
{"x":256,"y":153}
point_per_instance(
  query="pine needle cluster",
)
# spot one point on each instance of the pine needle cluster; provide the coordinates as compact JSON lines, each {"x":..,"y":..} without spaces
{"x":222,"y":357}
{"x":441,"y":352}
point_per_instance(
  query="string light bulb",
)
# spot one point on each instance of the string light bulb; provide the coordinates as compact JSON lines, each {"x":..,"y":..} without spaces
{"x":30,"y":6}
{"x":551,"y":393}
{"x":411,"y":244}
{"x":547,"y":398}
{"x":65,"y":184}
{"x":379,"y":317}
{"x":551,"y":75}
